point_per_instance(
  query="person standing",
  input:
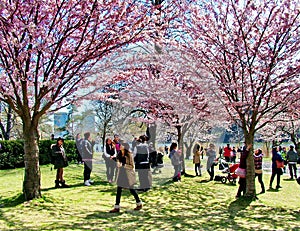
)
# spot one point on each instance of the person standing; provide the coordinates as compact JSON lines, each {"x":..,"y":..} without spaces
{"x":60,"y":161}
{"x":125,"y":177}
{"x":243,"y":165}
{"x":87,"y":157}
{"x":152,"y":156}
{"x":175,"y":155}
{"x":212,"y":155}
{"x":142,"y":163}
{"x":196,"y":160}
{"x":227,"y":153}
{"x":110,"y":154}
{"x":233,"y":156}
{"x":202,"y":152}
{"x":292,"y":158}
{"x":276,"y":171}
{"x":116,"y":141}
{"x":258,"y":157}
{"x":78,"y":141}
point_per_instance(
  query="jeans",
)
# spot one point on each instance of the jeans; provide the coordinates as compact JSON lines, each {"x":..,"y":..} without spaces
{"x":259,"y":176}
{"x":211,"y":172}
{"x":110,"y":169}
{"x":291,"y":168}
{"x":177,"y":169}
{"x":197,"y":168}
{"x":87,"y":170}
{"x":278,"y":172}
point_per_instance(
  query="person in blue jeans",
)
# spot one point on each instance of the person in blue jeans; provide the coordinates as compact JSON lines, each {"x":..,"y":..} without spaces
{"x":276,"y":171}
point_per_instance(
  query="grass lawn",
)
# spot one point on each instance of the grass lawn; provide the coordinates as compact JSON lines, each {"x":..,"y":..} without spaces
{"x":193,"y":204}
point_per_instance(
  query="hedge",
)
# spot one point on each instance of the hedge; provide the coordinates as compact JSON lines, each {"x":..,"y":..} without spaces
{"x":12,"y":152}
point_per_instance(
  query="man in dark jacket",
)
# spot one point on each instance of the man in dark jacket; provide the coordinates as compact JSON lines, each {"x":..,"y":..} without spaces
{"x":292,"y":158}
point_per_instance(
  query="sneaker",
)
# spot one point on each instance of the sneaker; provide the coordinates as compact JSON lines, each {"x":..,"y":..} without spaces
{"x":278,"y":187}
{"x":87,"y":183}
{"x":91,"y":181}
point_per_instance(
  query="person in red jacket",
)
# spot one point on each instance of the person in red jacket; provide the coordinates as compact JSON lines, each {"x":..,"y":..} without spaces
{"x":227,"y":153}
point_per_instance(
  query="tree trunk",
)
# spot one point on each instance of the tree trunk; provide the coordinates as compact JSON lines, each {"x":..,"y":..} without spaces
{"x":32,"y":176}
{"x":250,"y":174}
{"x":151,"y":133}
{"x":180,"y":146}
{"x":188,"y":149}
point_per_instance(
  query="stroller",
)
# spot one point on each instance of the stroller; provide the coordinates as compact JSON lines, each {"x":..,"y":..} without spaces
{"x":222,"y":163}
{"x":231,"y":176}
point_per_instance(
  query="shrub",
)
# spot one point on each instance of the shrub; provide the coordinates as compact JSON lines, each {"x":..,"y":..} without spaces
{"x":12,"y":152}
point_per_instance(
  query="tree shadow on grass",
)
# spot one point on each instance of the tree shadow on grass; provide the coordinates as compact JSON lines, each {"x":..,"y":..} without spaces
{"x":12,"y":201}
{"x":289,"y":179}
{"x":204,"y":181}
{"x":238,"y":205}
{"x":188,"y":175}
{"x":78,"y":185}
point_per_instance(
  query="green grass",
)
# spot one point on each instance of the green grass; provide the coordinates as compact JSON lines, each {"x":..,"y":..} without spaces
{"x":193,"y":204}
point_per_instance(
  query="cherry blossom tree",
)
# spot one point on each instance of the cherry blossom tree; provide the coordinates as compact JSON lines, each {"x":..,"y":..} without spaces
{"x":251,"y":50}
{"x":47,"y":50}
{"x":290,"y":127}
{"x":166,"y":94}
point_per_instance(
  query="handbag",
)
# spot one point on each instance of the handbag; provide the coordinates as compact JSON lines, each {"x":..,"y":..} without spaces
{"x":279,"y":164}
{"x":241,"y":172}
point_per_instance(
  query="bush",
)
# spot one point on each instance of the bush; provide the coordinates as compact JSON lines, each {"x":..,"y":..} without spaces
{"x":12,"y":152}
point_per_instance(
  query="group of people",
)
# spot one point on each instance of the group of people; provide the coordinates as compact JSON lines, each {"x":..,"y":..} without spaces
{"x":229,"y":153}
{"x":60,"y":161}
{"x":278,"y":164}
{"x":122,"y":163}
{"x":280,"y":157}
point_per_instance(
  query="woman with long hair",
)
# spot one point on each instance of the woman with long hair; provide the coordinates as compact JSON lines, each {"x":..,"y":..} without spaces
{"x":109,"y":155}
{"x":125,"y":177}
{"x":60,"y":161}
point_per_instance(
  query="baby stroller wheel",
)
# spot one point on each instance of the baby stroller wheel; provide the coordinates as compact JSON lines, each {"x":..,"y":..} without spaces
{"x":233,"y":181}
{"x":223,"y":180}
